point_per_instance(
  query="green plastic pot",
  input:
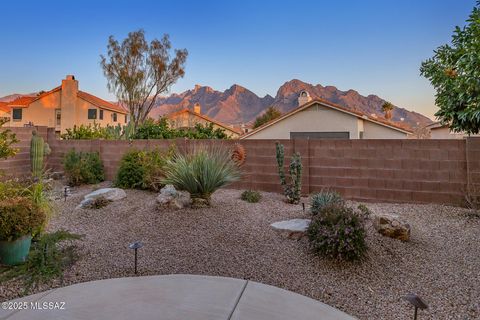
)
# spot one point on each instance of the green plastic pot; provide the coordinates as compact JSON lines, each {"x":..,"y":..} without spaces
{"x":15,"y":252}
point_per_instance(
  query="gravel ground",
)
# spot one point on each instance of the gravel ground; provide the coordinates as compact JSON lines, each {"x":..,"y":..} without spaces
{"x":233,"y":238}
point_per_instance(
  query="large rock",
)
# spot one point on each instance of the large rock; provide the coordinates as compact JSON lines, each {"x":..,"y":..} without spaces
{"x":391,"y":225}
{"x":294,"y":228}
{"x":110,"y":194}
{"x":171,"y":198}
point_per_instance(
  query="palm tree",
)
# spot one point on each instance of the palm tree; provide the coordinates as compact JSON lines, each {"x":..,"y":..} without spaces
{"x":387,"y":108}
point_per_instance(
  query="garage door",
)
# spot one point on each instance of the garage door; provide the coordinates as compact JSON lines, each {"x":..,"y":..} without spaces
{"x":320,"y":135}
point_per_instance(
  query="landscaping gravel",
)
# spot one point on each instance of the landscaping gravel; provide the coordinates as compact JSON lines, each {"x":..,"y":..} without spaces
{"x":234,"y":238}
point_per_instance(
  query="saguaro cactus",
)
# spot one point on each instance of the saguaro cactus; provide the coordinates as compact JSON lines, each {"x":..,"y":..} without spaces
{"x":38,"y":150}
{"x":292,"y":190}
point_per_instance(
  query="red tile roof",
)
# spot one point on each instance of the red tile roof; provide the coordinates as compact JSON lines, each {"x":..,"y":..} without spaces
{"x":225,"y":126}
{"x":100,"y":102}
{"x":4,"y":107}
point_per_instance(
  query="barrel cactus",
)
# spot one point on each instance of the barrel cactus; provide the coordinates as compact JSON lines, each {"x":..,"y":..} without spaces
{"x":38,"y":150}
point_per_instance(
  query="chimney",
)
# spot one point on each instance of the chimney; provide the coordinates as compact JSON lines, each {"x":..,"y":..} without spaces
{"x":68,"y":102}
{"x":197,"y":108}
{"x":303,"y":98}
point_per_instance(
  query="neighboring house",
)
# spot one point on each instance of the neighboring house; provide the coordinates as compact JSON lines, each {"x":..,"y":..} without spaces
{"x":187,"y":118}
{"x":442,"y":131}
{"x":4,"y":110}
{"x":63,"y":107}
{"x":319,"y":119}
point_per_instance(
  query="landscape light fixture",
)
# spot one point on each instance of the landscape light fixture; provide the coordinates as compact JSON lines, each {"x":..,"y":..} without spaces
{"x":303,"y":206}
{"x":135,"y":245}
{"x":417,"y":302}
{"x":66,"y":192}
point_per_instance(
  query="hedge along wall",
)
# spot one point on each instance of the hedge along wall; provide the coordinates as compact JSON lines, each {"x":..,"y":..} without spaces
{"x":422,"y":171}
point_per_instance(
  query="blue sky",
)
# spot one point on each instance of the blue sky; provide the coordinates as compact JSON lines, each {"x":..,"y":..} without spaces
{"x":374,"y":47}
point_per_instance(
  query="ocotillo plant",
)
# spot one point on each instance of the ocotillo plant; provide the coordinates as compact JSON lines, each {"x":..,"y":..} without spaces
{"x":291,"y":190}
{"x":38,"y":150}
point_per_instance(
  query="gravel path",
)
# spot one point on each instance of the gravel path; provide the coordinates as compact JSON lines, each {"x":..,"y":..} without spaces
{"x":234,"y":239}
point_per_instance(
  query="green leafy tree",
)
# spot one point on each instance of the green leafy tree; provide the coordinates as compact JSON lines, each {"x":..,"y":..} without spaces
{"x":387,"y":108}
{"x":138,"y":71}
{"x":7,"y":140}
{"x":454,"y":72}
{"x":270,"y":114}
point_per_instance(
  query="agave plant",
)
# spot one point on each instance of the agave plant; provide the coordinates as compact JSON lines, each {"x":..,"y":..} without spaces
{"x":202,"y":171}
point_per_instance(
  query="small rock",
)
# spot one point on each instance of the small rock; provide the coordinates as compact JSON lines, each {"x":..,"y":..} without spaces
{"x":170,"y":198}
{"x":392,"y":226}
{"x":294,"y":228}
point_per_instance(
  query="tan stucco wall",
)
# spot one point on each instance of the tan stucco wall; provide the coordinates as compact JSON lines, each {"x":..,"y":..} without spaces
{"x":319,"y":118}
{"x":40,"y":112}
{"x":188,"y":120}
{"x":444,"y":133}
{"x":377,"y":131}
{"x":314,"y":119}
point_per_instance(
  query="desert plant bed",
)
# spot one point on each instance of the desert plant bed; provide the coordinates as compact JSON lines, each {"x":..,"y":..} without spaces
{"x":233,"y":238}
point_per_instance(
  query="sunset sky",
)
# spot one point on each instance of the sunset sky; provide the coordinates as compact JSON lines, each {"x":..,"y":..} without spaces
{"x":374,"y":47}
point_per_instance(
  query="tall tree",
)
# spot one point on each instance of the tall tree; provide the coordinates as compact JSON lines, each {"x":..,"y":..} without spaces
{"x":137,"y":72}
{"x":387,"y":108}
{"x":454,"y":72}
{"x":270,"y":114}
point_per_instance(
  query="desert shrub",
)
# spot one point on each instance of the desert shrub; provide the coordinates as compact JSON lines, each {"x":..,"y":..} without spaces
{"x":160,"y":129}
{"x":95,"y":131}
{"x":143,"y":169}
{"x":325,"y":199}
{"x":83,"y":167}
{"x":98,"y":203}
{"x":19,"y":216}
{"x":251,"y":196}
{"x":48,"y":258}
{"x":7,"y":140}
{"x":338,"y":232}
{"x":364,"y":210}
{"x":202,"y":171}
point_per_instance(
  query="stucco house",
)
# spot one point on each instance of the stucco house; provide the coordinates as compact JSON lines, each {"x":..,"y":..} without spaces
{"x":319,"y":119}
{"x":4,"y":110}
{"x":63,"y":107}
{"x":442,"y":131}
{"x":187,"y":118}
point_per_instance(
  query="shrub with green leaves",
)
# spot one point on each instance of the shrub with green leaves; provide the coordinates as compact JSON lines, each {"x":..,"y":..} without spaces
{"x":140,"y":169}
{"x":325,"y":199}
{"x":49,"y":256}
{"x":202,"y":171}
{"x":338,"y":232}
{"x":83,"y":168}
{"x":251,"y":196}
{"x":19,"y":216}
{"x":7,"y":140}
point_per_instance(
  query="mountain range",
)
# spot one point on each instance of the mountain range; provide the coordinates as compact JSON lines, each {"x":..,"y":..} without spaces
{"x":238,"y":105}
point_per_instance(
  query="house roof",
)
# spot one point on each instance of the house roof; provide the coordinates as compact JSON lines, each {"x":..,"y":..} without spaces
{"x":4,"y":107}
{"x":96,"y":101}
{"x":224,"y":126}
{"x":24,"y":102}
{"x":331,"y":106}
{"x":437,"y":125}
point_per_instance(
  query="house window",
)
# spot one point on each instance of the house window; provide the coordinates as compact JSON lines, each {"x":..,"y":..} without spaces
{"x":92,"y":114}
{"x":17,"y":114}
{"x":114,"y":117}
{"x":100,"y":116}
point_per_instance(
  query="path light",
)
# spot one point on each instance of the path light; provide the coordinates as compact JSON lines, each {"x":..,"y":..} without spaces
{"x":417,"y":302}
{"x":135,"y":245}
{"x":66,"y":192}
{"x":303,"y":206}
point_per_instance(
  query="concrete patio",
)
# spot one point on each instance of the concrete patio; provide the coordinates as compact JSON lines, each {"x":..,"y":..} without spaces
{"x":170,"y":297}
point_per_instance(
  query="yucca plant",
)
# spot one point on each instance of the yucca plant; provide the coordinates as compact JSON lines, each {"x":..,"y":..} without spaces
{"x":201,"y":172}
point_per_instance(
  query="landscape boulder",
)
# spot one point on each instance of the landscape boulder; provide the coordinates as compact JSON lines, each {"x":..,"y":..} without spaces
{"x":293,"y":229}
{"x":110,"y":194}
{"x":391,"y":225}
{"x":171,"y":198}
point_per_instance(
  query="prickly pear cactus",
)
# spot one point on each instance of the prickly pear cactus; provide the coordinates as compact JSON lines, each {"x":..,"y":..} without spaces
{"x":37,"y":152}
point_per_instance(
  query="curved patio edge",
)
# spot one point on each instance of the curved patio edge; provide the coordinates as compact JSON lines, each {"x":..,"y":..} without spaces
{"x":169,"y":297}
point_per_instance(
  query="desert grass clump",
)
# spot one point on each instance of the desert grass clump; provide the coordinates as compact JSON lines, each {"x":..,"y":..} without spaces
{"x":251,"y":196}
{"x":325,"y":199}
{"x":83,"y":168}
{"x":202,"y":171}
